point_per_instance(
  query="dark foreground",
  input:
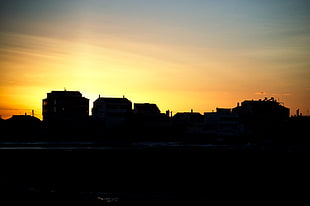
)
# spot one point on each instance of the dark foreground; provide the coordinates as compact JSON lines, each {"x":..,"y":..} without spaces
{"x":153,"y":176}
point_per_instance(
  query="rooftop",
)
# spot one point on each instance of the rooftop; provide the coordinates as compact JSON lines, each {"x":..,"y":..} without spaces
{"x":112,"y":100}
{"x":64,"y":94}
{"x":146,"y":107}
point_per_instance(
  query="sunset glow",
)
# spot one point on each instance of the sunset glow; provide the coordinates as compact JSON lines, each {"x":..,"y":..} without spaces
{"x":181,"y":55}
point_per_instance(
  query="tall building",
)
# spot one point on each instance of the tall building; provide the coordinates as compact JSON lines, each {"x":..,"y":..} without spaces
{"x":69,"y":106}
{"x":111,"y":111}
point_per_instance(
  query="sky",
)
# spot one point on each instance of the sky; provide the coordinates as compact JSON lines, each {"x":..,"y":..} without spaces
{"x":178,"y":54}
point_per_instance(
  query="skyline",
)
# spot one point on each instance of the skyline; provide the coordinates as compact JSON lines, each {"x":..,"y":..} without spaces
{"x":171,"y":113}
{"x":180,"y":55}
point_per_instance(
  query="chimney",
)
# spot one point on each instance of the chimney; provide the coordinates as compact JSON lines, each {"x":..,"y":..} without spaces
{"x":297,"y":112}
{"x":167,"y":113}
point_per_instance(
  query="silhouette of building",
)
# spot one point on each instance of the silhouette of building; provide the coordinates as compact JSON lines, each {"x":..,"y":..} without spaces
{"x":24,"y":118}
{"x":112,"y":111}
{"x":267,"y":109}
{"x":262,"y":118}
{"x":187,"y":118}
{"x":147,"y":114}
{"x":149,"y":124}
{"x":22,"y":127}
{"x":146,"y":109}
{"x":222,"y":123}
{"x":65,"y":106}
{"x":188,"y":124}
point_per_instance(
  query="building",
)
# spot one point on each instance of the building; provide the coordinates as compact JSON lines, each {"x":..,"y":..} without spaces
{"x":65,"y":106}
{"x":22,"y":127}
{"x":149,"y":124}
{"x":111,"y":111}
{"x":146,"y":109}
{"x":187,"y":118}
{"x":266,"y":109}
{"x":188,"y":126}
{"x":147,"y":114}
{"x":222,"y":123}
{"x":262,"y":119}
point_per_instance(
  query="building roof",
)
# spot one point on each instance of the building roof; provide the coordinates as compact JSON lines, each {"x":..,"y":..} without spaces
{"x":20,"y":118}
{"x":188,"y":116}
{"x":65,"y":94}
{"x":267,"y":108}
{"x":265,"y":101}
{"x":146,"y":108}
{"x":112,"y":100}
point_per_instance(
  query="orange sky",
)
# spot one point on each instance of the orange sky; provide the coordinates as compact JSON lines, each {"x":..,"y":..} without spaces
{"x":194,"y":55}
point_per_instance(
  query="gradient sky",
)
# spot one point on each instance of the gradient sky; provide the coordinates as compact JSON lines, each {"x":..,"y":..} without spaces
{"x":181,"y":55}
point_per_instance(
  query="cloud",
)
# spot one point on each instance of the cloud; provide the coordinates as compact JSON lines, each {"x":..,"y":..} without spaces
{"x":261,"y":93}
{"x":276,"y":94}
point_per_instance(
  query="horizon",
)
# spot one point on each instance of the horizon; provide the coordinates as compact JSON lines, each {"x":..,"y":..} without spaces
{"x":34,"y":114}
{"x":180,"y":55}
